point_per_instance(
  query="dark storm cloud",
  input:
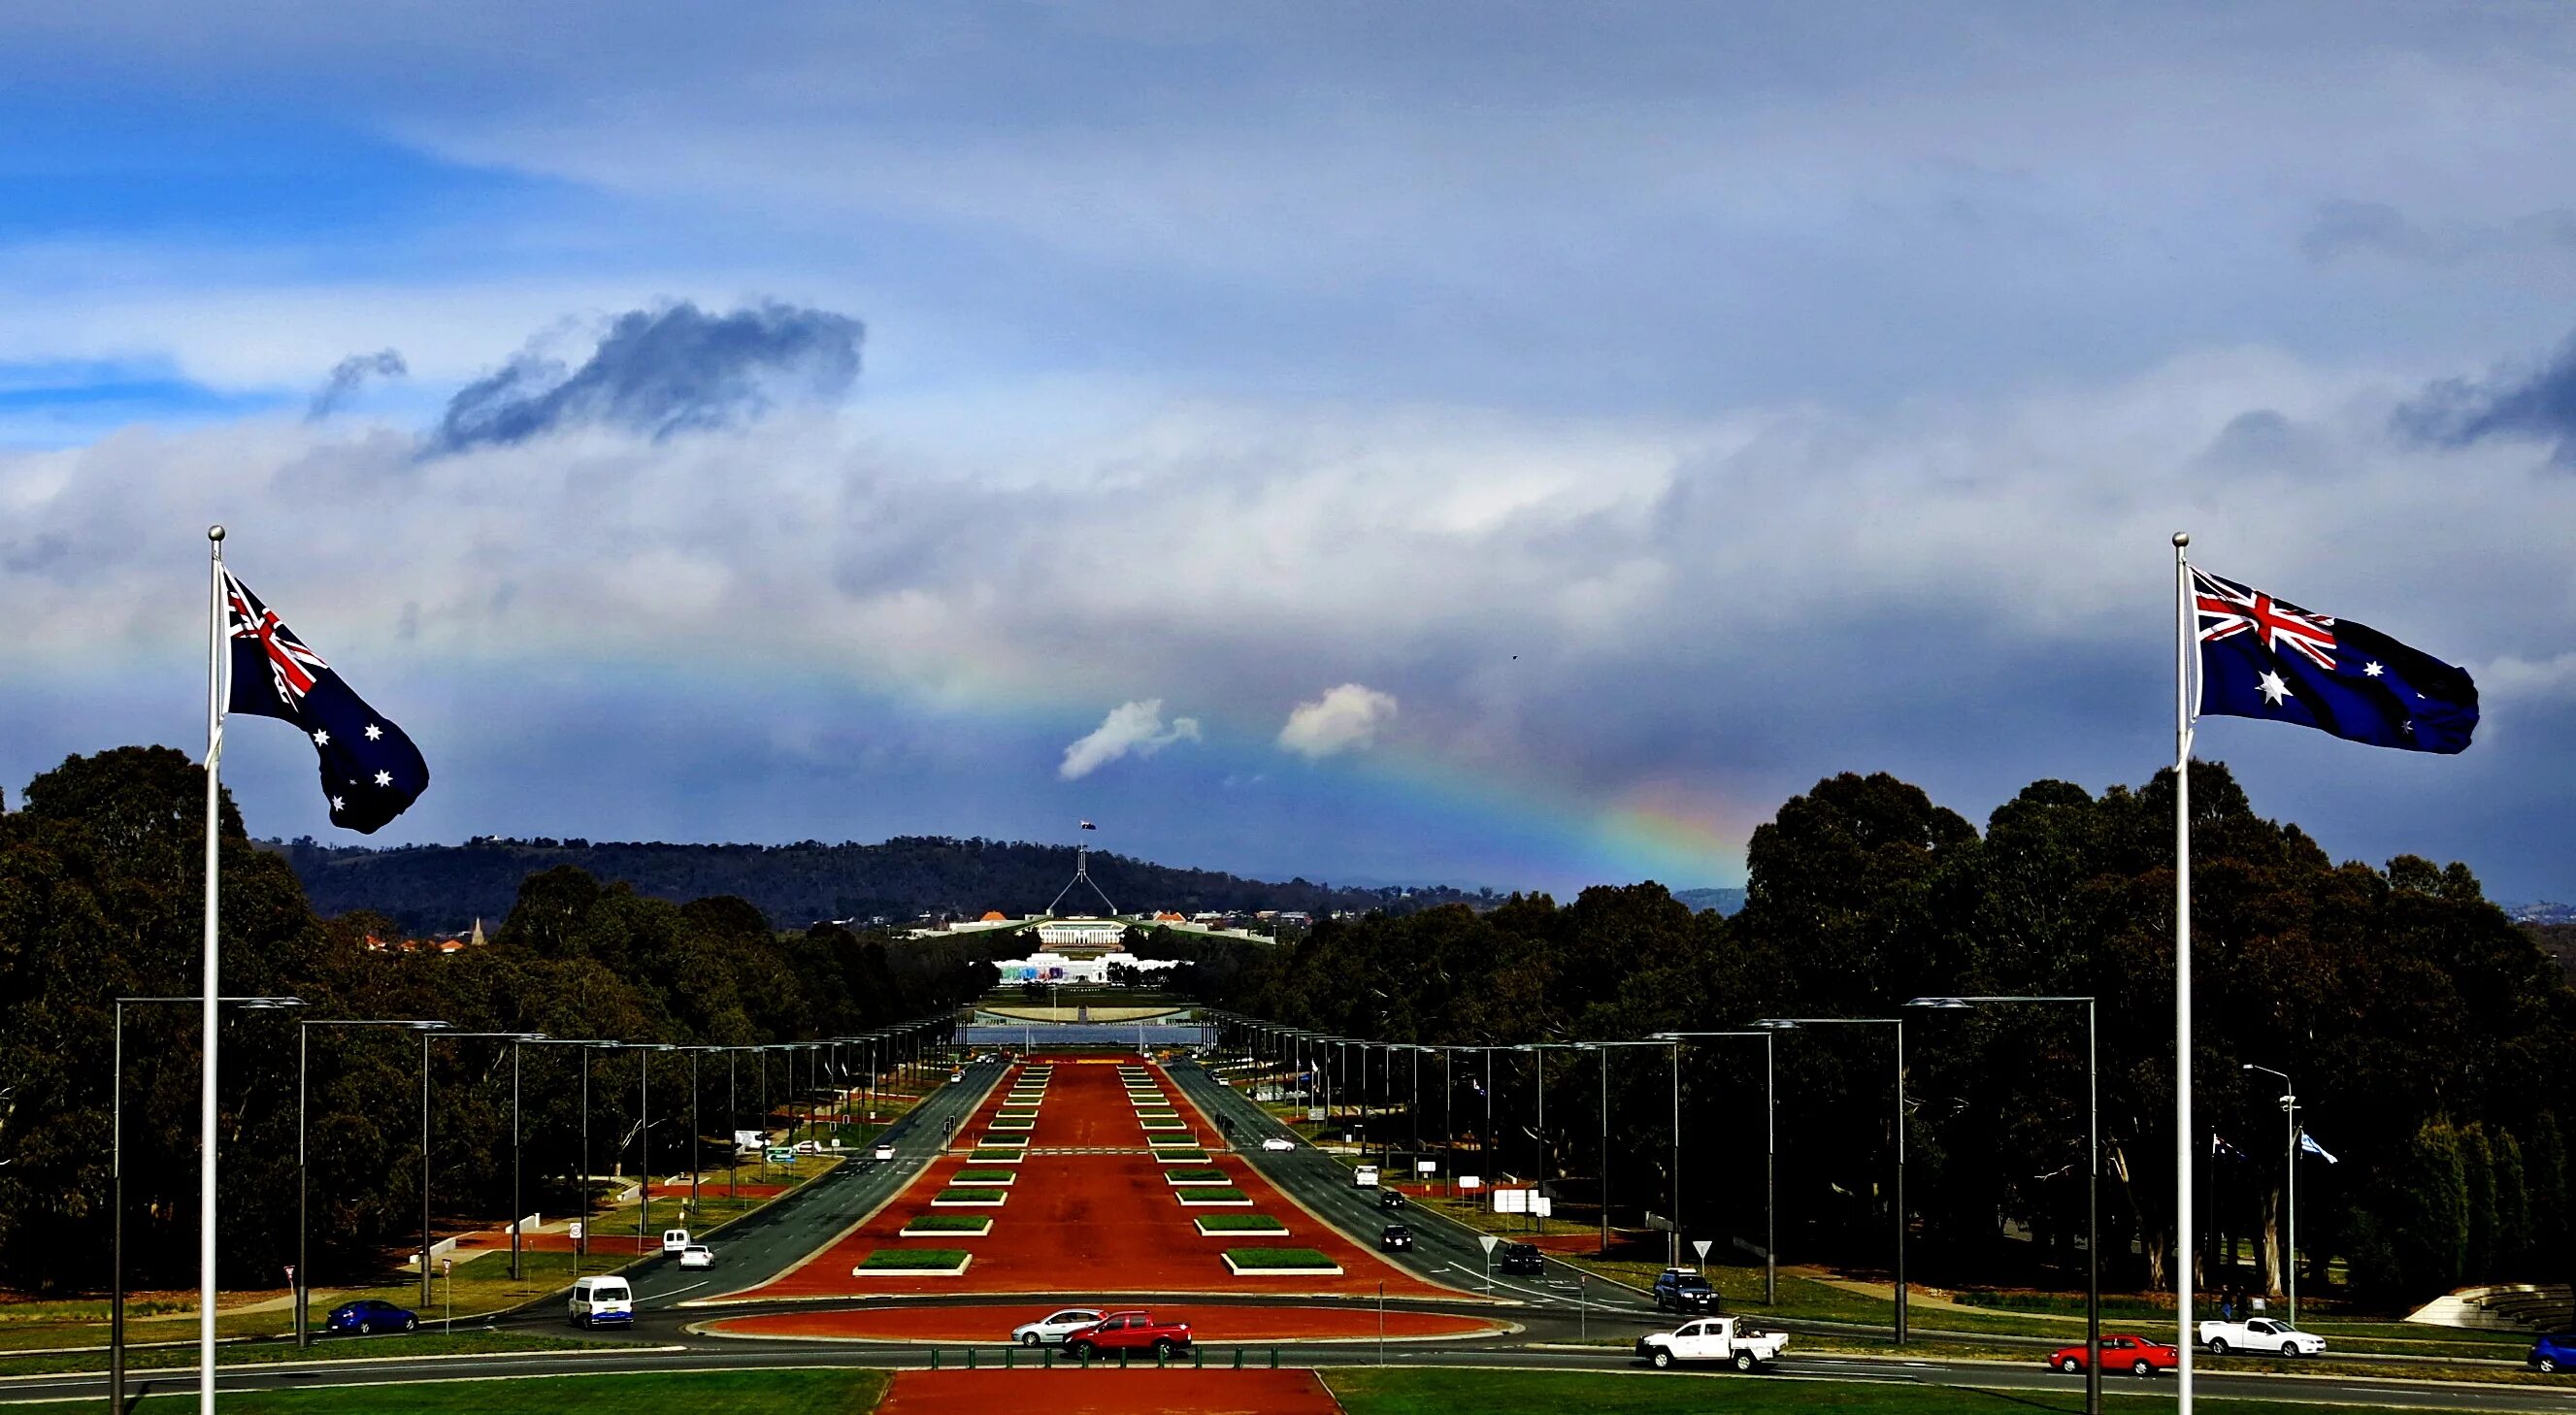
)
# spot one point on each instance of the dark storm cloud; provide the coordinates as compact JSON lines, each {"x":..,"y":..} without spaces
{"x":659,"y":372}
{"x":2534,"y":403}
{"x":349,"y":375}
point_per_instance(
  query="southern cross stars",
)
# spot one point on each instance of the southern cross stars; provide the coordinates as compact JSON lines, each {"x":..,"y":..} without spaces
{"x":374,"y":732}
{"x":384,"y":778}
{"x":2274,"y":690}
{"x":2372,"y":670}
{"x":321,"y":737}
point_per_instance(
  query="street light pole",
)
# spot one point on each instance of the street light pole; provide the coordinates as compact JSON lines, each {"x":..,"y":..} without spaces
{"x":1792,"y":1023}
{"x":2290,"y":1240}
{"x":2092,"y":1180}
{"x":116,"y":1176}
{"x":303,"y":1179}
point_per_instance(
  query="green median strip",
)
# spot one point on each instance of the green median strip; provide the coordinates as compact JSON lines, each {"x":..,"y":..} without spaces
{"x":1298,"y":1261}
{"x":660,"y":1393}
{"x":949,"y":1225}
{"x":977,"y":1178}
{"x":923,"y":1262}
{"x":996,"y":1157}
{"x":1214,"y":1198}
{"x":970,"y":1198}
{"x":1211,"y":1225}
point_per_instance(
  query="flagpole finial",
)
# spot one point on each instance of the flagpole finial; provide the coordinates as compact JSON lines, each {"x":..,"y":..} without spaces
{"x":2182,"y":538}
{"x":214,"y":533}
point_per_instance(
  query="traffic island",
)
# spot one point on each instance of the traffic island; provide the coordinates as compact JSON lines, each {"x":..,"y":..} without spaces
{"x":914,"y":1262}
{"x":994,"y":1157}
{"x":970,"y":1199}
{"x":1198,"y":1178}
{"x":1172,"y":1124}
{"x":1237,"y":1225}
{"x":1213,"y":1198}
{"x":946,"y":1226}
{"x":1002,"y":1142}
{"x":1190,"y":1156}
{"x":1280,"y":1262}
{"x":983,"y":1178}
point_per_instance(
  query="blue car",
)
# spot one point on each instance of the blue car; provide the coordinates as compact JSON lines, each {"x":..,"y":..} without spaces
{"x":2553,"y":1353}
{"x":369,"y":1317}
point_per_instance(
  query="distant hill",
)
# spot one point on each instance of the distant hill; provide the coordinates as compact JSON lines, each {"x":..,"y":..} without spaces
{"x":431,"y":888}
{"x":1724,"y":901}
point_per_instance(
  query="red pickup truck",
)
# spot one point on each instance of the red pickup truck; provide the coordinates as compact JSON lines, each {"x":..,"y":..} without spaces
{"x":1127,"y":1331}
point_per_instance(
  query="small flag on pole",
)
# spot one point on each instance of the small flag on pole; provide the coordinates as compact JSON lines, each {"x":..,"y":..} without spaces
{"x":2308,"y":1143}
{"x":1086,"y":825}
{"x":2261,"y":656}
{"x":371,"y":772}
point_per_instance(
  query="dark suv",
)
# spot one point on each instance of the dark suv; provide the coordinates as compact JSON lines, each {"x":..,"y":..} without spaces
{"x":1684,"y":1290}
{"x":1520,"y":1258}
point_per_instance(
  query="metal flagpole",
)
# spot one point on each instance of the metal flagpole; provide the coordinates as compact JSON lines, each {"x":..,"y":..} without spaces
{"x":206,"y":1121}
{"x":2185,"y":1248}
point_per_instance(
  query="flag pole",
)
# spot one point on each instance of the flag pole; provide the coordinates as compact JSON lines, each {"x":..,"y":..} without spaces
{"x":2186,"y":1249}
{"x":206,"y":1121}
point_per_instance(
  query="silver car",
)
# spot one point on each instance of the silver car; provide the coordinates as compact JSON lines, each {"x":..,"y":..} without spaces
{"x":1049,"y":1330}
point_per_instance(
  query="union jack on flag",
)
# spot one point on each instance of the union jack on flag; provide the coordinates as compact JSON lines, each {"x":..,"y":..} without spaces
{"x":2262,"y":656}
{"x":371,"y":772}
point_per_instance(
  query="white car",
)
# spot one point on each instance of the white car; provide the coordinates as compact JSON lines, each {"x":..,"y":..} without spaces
{"x":1278,"y":1142}
{"x":2260,"y":1334}
{"x":697,"y":1255}
{"x":1049,"y":1330}
{"x":885,"y":1152}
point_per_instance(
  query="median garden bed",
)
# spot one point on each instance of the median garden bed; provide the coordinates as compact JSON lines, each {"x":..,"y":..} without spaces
{"x":970,"y":1198}
{"x":947,"y":1226}
{"x":915,"y":1262}
{"x":1188,"y":1178}
{"x":1224,"y":1225}
{"x":982,"y":1178}
{"x":995,"y":1156}
{"x":1192,"y":1155}
{"x":1281,"y":1262}
{"x":1003,"y":1142}
{"x":1228,"y":1198}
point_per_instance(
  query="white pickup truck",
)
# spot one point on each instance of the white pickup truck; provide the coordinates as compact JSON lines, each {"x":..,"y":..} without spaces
{"x":1724,"y":1339}
{"x":2268,"y":1334}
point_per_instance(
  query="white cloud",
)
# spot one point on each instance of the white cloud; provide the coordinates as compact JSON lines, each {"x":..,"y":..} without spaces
{"x":1130,"y":728}
{"x":1345,"y":717}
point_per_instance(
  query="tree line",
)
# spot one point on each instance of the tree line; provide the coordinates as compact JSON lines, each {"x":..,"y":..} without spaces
{"x":2427,"y":1034}
{"x":101,"y":892}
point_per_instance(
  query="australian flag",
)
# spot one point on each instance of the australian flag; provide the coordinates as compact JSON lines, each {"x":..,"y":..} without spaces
{"x":371,"y":772}
{"x":2265,"y":657}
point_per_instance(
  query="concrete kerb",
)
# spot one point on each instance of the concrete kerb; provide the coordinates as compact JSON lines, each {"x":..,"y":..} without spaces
{"x":603,"y":1349}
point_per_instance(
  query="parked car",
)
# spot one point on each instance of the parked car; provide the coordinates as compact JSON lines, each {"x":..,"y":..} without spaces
{"x":1394,"y":1236}
{"x":1684,"y":1290}
{"x":1520,"y":1258}
{"x":2267,"y":1334}
{"x":697,"y":1255}
{"x":1278,"y":1142}
{"x":1725,"y":1339}
{"x":1050,"y":1329}
{"x":601,"y":1301}
{"x":2120,"y":1352}
{"x":674,"y":1241}
{"x":1128,"y":1331}
{"x":2552,"y":1354}
{"x":368,"y":1317}
{"x":1391,"y":1199}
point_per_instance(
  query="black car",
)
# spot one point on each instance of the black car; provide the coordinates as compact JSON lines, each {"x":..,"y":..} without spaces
{"x":1394,"y":1236}
{"x":1389,"y":1199}
{"x":1684,"y":1290}
{"x":1520,"y":1258}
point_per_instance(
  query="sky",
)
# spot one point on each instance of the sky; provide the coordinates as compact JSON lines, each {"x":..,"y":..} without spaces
{"x":1502,"y":444}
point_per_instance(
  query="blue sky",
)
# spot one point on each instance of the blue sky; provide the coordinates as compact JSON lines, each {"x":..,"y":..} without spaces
{"x":1644,"y":412}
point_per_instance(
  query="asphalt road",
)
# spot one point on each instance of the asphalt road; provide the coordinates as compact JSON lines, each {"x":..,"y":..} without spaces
{"x":1550,"y":1312}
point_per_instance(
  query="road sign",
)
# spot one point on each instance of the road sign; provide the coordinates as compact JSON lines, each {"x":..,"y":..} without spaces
{"x":290,"y":1274}
{"x":781,"y":1154}
{"x":1542,"y":1205}
{"x":1487,"y":1241}
{"x":1426,"y":1166}
{"x":576,"y":1230}
{"x":1702,"y":1246}
{"x":1511,"y":1201}
{"x":447,"y":1267}
{"x":1471,"y":1181}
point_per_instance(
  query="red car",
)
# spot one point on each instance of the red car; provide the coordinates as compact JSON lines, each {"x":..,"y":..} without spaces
{"x":1127,"y":1331}
{"x":2138,"y":1355}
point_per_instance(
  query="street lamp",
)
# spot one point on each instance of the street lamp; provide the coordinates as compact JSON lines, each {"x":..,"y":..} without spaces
{"x":2092,"y":1181}
{"x":1604,"y":1048}
{"x":1543,"y":1048}
{"x":2290,"y":1244}
{"x":116,"y":1172}
{"x":1790,"y":1024}
{"x":303,"y":1177}
{"x":514,"y":1039}
{"x":1770,"y":1152}
{"x":644,"y":1136}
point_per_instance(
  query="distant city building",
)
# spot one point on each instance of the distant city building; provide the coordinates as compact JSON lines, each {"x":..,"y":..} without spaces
{"x":1082,"y":933}
{"x":1050,"y":967}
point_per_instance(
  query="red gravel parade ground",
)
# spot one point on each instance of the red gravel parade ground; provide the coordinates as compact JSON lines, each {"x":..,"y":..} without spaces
{"x":1108,"y":1392}
{"x":1098,"y":1223}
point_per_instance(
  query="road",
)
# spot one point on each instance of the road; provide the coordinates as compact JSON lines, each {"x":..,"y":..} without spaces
{"x":1553,"y":1312}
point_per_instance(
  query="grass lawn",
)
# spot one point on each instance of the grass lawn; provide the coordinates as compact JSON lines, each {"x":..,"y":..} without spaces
{"x":1398,"y":1390}
{"x":913,"y":1259}
{"x":1259,"y":1259}
{"x":342,"y":1348}
{"x":686,"y":1393}
{"x":1241,"y":1223}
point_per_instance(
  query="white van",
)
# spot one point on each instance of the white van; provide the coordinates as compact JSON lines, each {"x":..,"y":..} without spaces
{"x":674,"y":1241}
{"x":1365,"y":1176}
{"x":602,"y":1301}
